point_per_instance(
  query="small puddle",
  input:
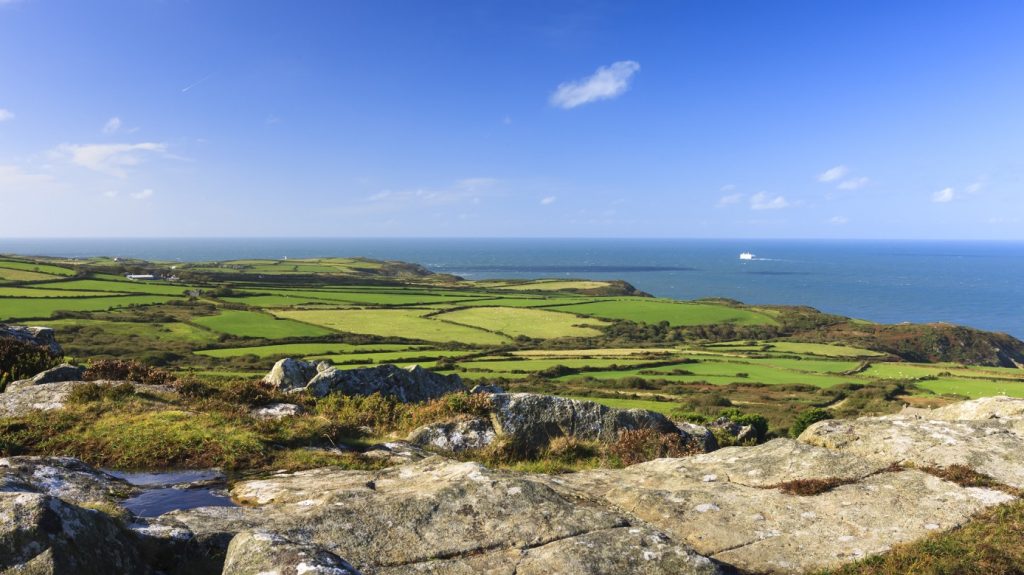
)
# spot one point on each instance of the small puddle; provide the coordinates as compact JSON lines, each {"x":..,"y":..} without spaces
{"x":174,"y":490}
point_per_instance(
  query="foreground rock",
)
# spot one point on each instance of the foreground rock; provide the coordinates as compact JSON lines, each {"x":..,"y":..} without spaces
{"x":49,"y":396}
{"x":61,"y":373}
{"x":66,"y":478}
{"x":454,"y":436}
{"x":441,"y":516}
{"x":261,"y":552}
{"x":409,"y":384}
{"x":41,"y":336}
{"x":534,"y":419}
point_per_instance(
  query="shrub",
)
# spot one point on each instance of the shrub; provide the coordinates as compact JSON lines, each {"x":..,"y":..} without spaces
{"x":758,"y":422}
{"x":92,"y":392}
{"x":639,"y":445}
{"x":806,"y":419}
{"x":127,"y":370}
{"x":20,"y":360}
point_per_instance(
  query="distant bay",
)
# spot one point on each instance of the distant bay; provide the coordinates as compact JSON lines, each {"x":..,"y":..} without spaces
{"x":980,"y":284}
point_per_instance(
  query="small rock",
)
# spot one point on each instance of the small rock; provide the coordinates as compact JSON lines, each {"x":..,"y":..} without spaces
{"x":41,"y":336}
{"x":262,"y":552}
{"x":277,"y":411}
{"x":454,"y":436}
{"x":290,"y":374}
{"x":411,"y":384}
{"x":487,"y":388}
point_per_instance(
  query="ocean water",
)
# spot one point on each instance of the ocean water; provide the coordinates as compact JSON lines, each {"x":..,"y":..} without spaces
{"x":980,"y":284}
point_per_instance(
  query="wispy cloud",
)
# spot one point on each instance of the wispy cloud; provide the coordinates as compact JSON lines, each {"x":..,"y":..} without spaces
{"x":606,"y":83}
{"x":14,"y":179}
{"x":944,"y":196}
{"x":110,"y":159}
{"x":143,"y":195}
{"x":110,"y":194}
{"x":762,"y":201}
{"x":729,"y":200}
{"x":976,"y":187}
{"x":838,"y":220}
{"x":6,"y":114}
{"x":196,"y":83}
{"x":547,"y":201}
{"x":112,"y":125}
{"x":476,"y":184}
{"x":853,"y":183}
{"x":832,"y":174}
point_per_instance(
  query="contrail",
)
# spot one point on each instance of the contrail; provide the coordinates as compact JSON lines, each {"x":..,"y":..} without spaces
{"x":194,"y":84}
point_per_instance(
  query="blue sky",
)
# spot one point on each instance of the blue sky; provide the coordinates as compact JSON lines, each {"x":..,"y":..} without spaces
{"x":790,"y":119}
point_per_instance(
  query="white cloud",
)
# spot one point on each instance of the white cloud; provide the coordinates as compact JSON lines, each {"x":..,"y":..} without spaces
{"x":761,"y":201}
{"x":143,"y":195}
{"x":547,"y":201}
{"x":112,"y":125}
{"x":606,"y":83}
{"x":111,"y":159}
{"x":6,"y":114}
{"x":975,"y":187}
{"x":945,"y":195}
{"x":729,"y":200}
{"x":14,"y":179}
{"x":832,"y":174}
{"x":853,"y":184}
{"x":476,"y":184}
{"x":838,"y":220}
{"x":110,"y":194}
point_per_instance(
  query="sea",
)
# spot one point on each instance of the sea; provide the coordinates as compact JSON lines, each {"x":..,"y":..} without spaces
{"x":979,"y":284}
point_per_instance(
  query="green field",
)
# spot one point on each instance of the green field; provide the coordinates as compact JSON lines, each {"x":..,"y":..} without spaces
{"x":15,"y":275}
{"x":122,"y":286}
{"x":34,"y":292}
{"x":535,"y":323}
{"x":34,"y":267}
{"x":41,"y":308}
{"x":256,"y":324}
{"x":675,"y":313}
{"x":397,"y":323}
{"x":302,"y":350}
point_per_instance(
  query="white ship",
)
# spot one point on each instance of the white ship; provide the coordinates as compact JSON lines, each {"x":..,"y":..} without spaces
{"x":746,"y":256}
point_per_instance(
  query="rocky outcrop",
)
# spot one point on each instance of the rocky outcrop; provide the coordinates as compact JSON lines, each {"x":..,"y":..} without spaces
{"x":442,"y":516}
{"x":59,"y":374}
{"x":290,"y":374}
{"x":49,"y":396}
{"x":534,"y":419}
{"x":700,"y":436}
{"x":487,"y":388}
{"x":262,"y":552}
{"x":411,"y":384}
{"x":454,"y":436}
{"x":66,"y":478}
{"x":41,"y":336}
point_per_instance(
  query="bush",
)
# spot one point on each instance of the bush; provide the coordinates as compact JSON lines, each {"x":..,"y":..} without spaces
{"x":758,"y":422}
{"x":639,"y":445}
{"x":127,"y":370}
{"x":20,"y":360}
{"x":806,"y":419}
{"x":92,"y":392}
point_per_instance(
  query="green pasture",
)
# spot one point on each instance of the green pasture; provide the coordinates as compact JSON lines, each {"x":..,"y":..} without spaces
{"x":34,"y":267}
{"x":255,"y":324}
{"x":13,"y":275}
{"x":535,"y":323}
{"x":822,"y":349}
{"x":974,"y":388}
{"x":303,"y":350}
{"x":600,"y":352}
{"x":397,"y":323}
{"x":535,"y":365}
{"x":663,"y":407}
{"x":127,"y":331}
{"x":34,"y":292}
{"x":122,"y":286}
{"x":41,"y":308}
{"x":675,"y":313}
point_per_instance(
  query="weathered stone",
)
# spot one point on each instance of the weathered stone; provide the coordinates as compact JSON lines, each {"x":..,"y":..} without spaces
{"x":43,"y":534}
{"x":487,"y":388}
{"x":533,"y":419}
{"x":277,"y":411}
{"x":991,"y":446}
{"x":50,"y":396}
{"x":998,"y":407}
{"x":454,"y":436}
{"x":411,"y":384}
{"x":700,"y":435}
{"x":61,"y":373}
{"x":401,"y":519}
{"x":290,"y":374}
{"x":65,"y":477}
{"x":41,"y":336}
{"x":722,"y":505}
{"x":396,"y":452}
{"x":261,"y":552}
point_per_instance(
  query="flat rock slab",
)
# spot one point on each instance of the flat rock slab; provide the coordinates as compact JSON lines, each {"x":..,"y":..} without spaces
{"x":711,"y":504}
{"x":989,"y":446}
{"x":444,"y":516}
{"x":64,"y":477}
{"x":49,"y":396}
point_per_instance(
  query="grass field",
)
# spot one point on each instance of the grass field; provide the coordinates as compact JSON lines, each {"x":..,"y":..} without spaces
{"x":535,"y":323}
{"x":16,"y":275}
{"x":822,"y":349}
{"x":556,"y":285}
{"x":302,"y":350}
{"x":34,"y":292}
{"x":122,"y":286}
{"x":675,"y":313}
{"x":34,"y":267}
{"x":41,"y":308}
{"x":256,"y":324}
{"x":398,"y":323}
